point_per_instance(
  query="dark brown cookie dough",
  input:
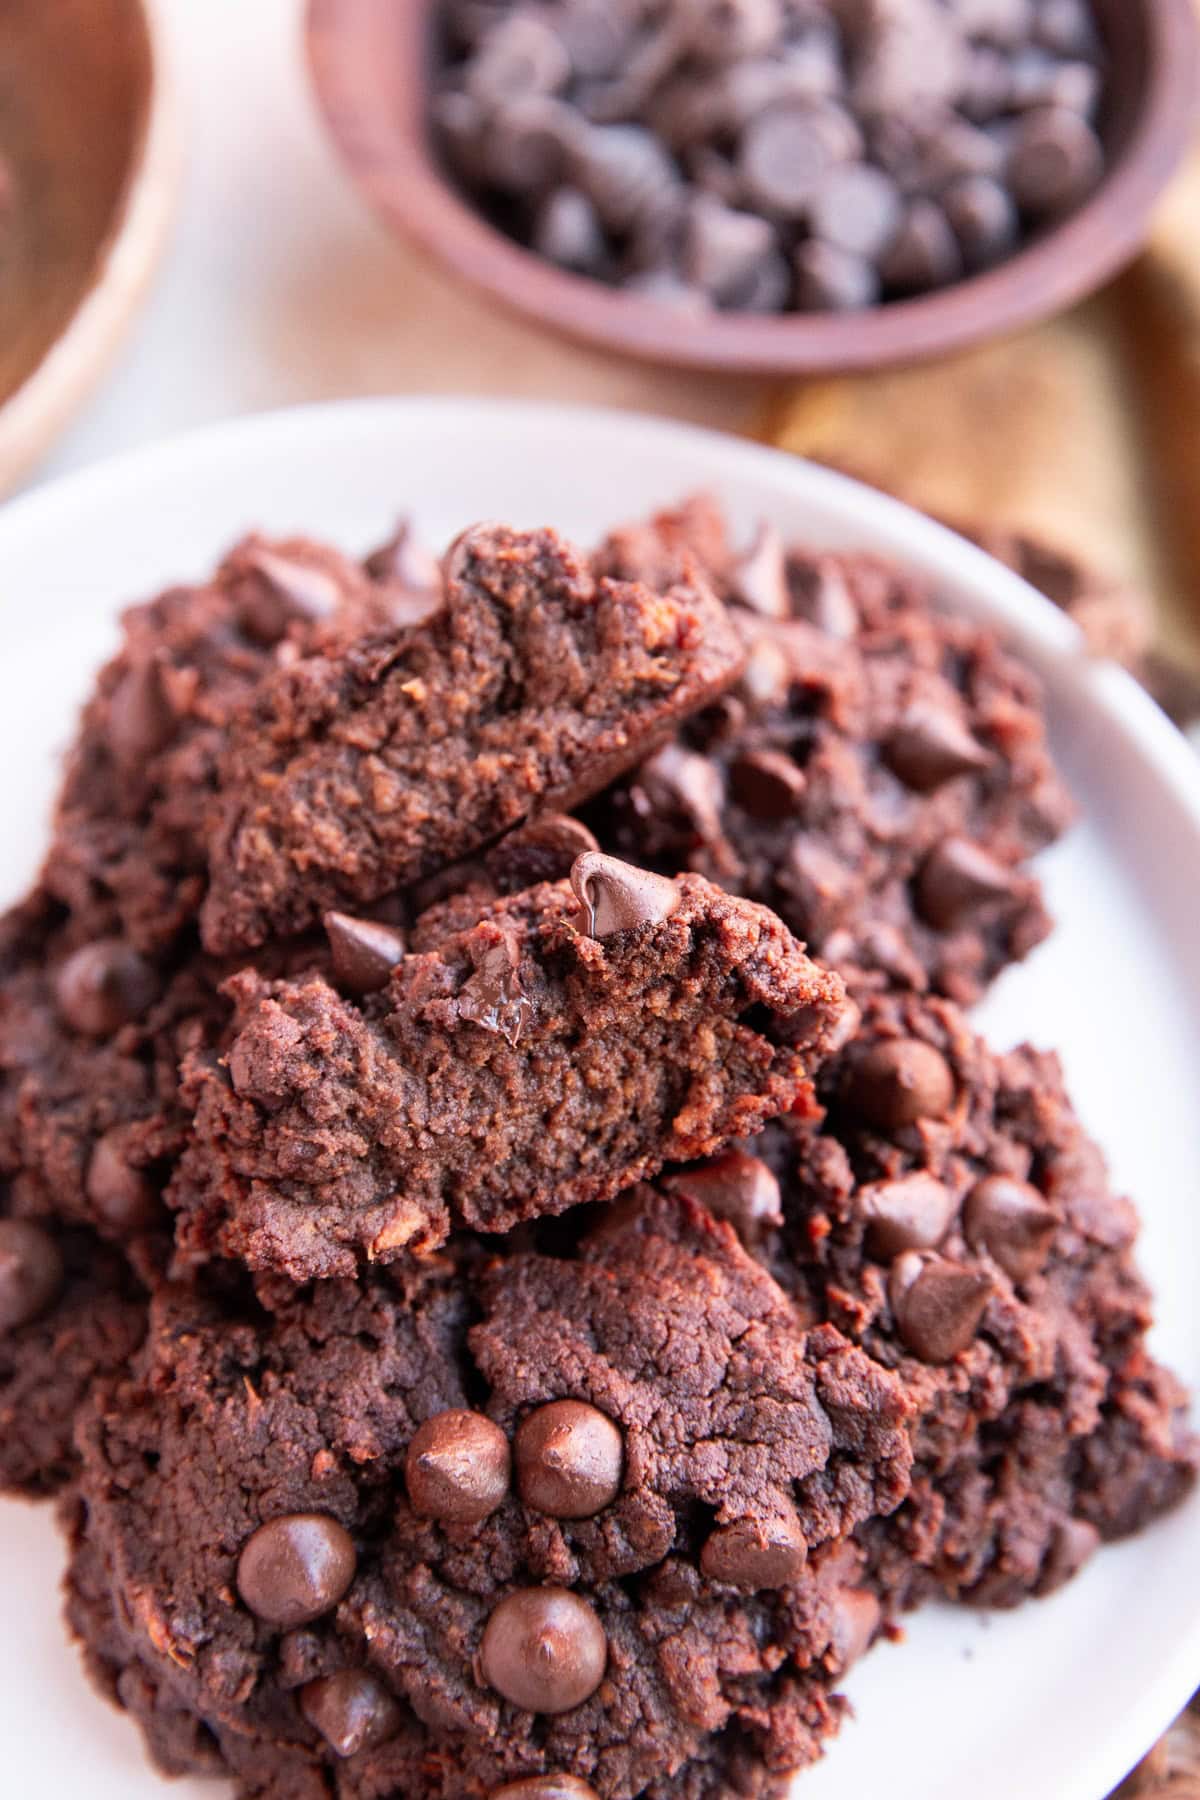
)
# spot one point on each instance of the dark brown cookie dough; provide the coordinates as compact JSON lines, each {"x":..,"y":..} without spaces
{"x":357,"y":771}
{"x":879,"y":776}
{"x":951,"y":1215}
{"x":521,"y":1068}
{"x":299,"y":1556}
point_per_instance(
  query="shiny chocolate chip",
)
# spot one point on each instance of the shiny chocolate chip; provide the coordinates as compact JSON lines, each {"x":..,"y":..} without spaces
{"x":352,"y":1710}
{"x":286,"y":589}
{"x":614,"y":896}
{"x":492,"y":997}
{"x":736,"y":1187}
{"x":896,"y":1082}
{"x":1012,"y":1221}
{"x":458,"y":1467}
{"x":544,"y":1650}
{"x":31,"y":1273}
{"x":569,"y":1459}
{"x":542,"y":850}
{"x":958,"y":880}
{"x":767,"y":784}
{"x":752,"y":1554}
{"x":140,"y":719}
{"x":911,"y":1213}
{"x":295,"y":1568}
{"x":930,"y":746}
{"x":937,"y":1304}
{"x":364,"y":951}
{"x":104,"y":986}
{"x":759,"y":576}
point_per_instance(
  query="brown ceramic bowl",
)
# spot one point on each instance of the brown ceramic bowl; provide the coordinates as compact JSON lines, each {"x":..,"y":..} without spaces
{"x":371,"y":61}
{"x":88,"y":140}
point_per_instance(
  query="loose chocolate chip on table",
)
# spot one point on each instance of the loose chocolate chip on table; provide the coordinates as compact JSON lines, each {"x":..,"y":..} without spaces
{"x":615,"y":896}
{"x":31,"y":1273}
{"x":352,"y":1710}
{"x":569,"y":1459}
{"x":545,"y":1787}
{"x":736,"y":1187}
{"x":458,"y":1467}
{"x":930,"y":746}
{"x":833,"y":280}
{"x":752,"y":1554}
{"x":104,"y":986}
{"x":1055,"y":161}
{"x":364,"y":951}
{"x":856,"y":1619}
{"x":937,"y":1304}
{"x":1012,"y":1221}
{"x":544,"y":1650}
{"x":957,"y":880}
{"x":294,"y":1568}
{"x":542,"y":850}
{"x":857,"y":208}
{"x":911,"y":1213}
{"x":123,"y":1196}
{"x":924,"y":253}
{"x":983,"y":217}
{"x":767,"y":784}
{"x":140,"y":719}
{"x":895,"y":1083}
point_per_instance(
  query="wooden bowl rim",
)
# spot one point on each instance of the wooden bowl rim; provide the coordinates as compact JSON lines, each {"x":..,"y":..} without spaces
{"x":36,"y":412}
{"x":403,"y":183}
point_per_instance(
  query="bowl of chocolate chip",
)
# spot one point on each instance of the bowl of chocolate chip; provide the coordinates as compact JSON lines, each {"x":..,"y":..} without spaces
{"x":765,"y":185}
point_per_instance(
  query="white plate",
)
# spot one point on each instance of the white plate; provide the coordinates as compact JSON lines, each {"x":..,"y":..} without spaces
{"x":1054,"y":1702}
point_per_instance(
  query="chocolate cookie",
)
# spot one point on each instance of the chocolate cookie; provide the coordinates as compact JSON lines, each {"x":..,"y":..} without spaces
{"x":570,"y":1043}
{"x":357,"y":771}
{"x":367,"y":1547}
{"x":879,"y":776}
{"x":951,"y":1216}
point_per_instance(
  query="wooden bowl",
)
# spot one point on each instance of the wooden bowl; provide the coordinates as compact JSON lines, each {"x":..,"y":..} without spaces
{"x":371,"y":62}
{"x":90,"y":144}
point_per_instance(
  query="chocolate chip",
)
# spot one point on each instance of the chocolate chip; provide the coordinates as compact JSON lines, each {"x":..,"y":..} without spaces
{"x":1003,"y":22}
{"x":664,"y":287}
{"x":930,"y":746}
{"x":406,"y":564}
{"x":458,"y":1467}
{"x":856,"y":208}
{"x":956,"y":881}
{"x":569,"y":1459}
{"x":1073,"y":1544}
{"x":924,"y":252}
{"x":1012,"y":1221}
{"x":736,"y":1187}
{"x":286,"y":589}
{"x":351,"y":1710}
{"x":856,"y":1619}
{"x":31,"y":1273}
{"x":627,"y":175}
{"x":986,"y":83}
{"x":983,"y":218}
{"x":826,"y":600}
{"x":911,"y":1213}
{"x":541,"y":850}
{"x":752,"y":1554}
{"x":616,"y":897}
{"x":123,"y":1196}
{"x":767,"y":676}
{"x":545,"y":1787}
{"x":767,"y":784}
{"x":787,"y":151}
{"x":722,"y":30}
{"x":937,"y":1304}
{"x":758,"y":578}
{"x":675,"y":780}
{"x":544,"y":1650}
{"x":818,"y":884}
{"x":1056,"y":161}
{"x":104,"y":986}
{"x":493,"y":997}
{"x":364,"y":951}
{"x":1037,"y":79}
{"x":294,"y":1568}
{"x":1067,"y":27}
{"x":897,"y":1082}
{"x":722,"y":247}
{"x":140,"y":719}
{"x":458,"y":124}
{"x":521,"y":54}
{"x":567,"y":231}
{"x":833,"y":280}
{"x":528,"y":144}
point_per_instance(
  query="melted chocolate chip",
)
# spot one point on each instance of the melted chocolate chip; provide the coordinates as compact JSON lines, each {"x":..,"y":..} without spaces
{"x":295,"y":1568}
{"x":569,"y":1459}
{"x":736,"y":1187}
{"x":364,"y":951}
{"x":752,"y":1554}
{"x":897,"y":1082}
{"x":544,"y":1650}
{"x":31,"y":1273}
{"x":351,"y":1710}
{"x":1012,"y":1221}
{"x":958,"y":880}
{"x":493,"y":997}
{"x":912,"y":1213}
{"x":930,"y":746}
{"x":617,"y":897}
{"x":104,"y":986}
{"x":937,"y":1304}
{"x":458,"y":1467}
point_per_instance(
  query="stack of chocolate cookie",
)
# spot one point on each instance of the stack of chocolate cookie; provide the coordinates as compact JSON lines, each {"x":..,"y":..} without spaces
{"x":502,"y":1317}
